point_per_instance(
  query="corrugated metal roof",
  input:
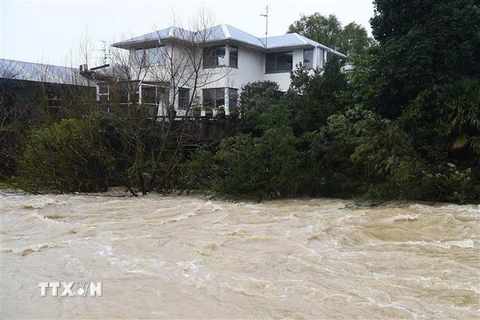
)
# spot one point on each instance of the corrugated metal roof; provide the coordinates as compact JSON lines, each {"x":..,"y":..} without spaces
{"x":221,"y":33}
{"x":21,"y":70}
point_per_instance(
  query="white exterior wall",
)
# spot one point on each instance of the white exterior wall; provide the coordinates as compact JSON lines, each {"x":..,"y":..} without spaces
{"x":251,"y":68}
{"x":283,"y":78}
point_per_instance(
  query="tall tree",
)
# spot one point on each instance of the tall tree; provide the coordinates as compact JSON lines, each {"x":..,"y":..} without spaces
{"x":328,"y":30}
{"x":422,"y":44}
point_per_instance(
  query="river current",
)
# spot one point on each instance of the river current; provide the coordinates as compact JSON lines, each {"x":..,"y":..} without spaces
{"x":189,"y":257}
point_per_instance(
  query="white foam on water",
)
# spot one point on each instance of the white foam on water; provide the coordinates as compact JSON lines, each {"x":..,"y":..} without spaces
{"x":464,"y":244}
{"x":106,"y":251}
{"x":405,"y":217}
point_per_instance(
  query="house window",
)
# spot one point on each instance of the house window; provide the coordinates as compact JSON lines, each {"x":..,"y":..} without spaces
{"x":103,"y":92}
{"x":126,"y":93}
{"x":213,"y":98}
{"x":278,"y":62}
{"x":149,"y":95}
{"x":183,"y":98}
{"x":214,"y":57}
{"x":146,"y":57}
{"x":320,"y":58}
{"x":233,"y":61}
{"x":232,"y":98}
{"x":308,"y":58}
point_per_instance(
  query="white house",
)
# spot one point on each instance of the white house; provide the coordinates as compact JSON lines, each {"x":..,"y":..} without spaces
{"x":209,"y":66}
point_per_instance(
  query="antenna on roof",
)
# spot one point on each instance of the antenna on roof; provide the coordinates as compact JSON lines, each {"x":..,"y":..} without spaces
{"x":266,"y":24}
{"x":105,"y":51}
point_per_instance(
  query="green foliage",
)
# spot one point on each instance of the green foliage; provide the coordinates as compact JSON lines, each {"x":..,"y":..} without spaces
{"x":66,"y":157}
{"x":199,"y":172}
{"x":244,"y":165}
{"x":146,"y":153}
{"x":325,"y":30}
{"x":251,"y":92}
{"x":256,"y":100}
{"x":350,"y":40}
{"x":460,"y":112}
{"x":361,"y":154}
{"x":11,"y":147}
{"x":93,"y":154}
{"x":321,"y":94}
{"x":422,"y":44}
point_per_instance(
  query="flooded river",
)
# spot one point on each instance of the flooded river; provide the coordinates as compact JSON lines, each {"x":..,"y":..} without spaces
{"x":189,"y":257}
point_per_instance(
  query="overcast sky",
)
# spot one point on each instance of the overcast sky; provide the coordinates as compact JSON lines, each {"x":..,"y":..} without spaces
{"x":51,"y":31}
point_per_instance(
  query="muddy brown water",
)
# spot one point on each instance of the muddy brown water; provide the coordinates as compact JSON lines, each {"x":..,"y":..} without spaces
{"x":189,"y":257}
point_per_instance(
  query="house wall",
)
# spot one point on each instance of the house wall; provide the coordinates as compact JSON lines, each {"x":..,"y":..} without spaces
{"x":251,"y":68}
{"x":283,"y":78}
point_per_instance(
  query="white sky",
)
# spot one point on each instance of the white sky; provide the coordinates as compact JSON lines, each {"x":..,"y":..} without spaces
{"x":51,"y":31}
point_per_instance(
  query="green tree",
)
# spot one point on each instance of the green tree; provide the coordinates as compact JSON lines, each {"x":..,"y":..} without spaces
{"x":422,"y":44}
{"x":320,"y":94}
{"x":327,"y":30}
{"x":256,"y":100}
{"x":460,"y":110}
{"x":66,"y":157}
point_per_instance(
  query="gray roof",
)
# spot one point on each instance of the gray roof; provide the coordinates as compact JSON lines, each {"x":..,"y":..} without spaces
{"x":223,"y":32}
{"x":28,"y":71}
{"x":296,"y":40}
{"x":152,"y":38}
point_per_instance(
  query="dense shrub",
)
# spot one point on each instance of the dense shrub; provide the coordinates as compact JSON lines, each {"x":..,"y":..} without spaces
{"x":244,"y":165}
{"x":66,"y":157}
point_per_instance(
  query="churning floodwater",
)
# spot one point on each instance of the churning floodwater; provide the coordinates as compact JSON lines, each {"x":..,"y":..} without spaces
{"x":190,"y":257}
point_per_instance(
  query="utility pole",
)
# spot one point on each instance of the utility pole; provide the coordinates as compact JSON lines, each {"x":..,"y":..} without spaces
{"x":266,"y":25}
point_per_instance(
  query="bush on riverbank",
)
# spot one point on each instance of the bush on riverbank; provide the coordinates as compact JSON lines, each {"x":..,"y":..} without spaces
{"x":91,"y":155}
{"x":66,"y":157}
{"x":357,"y":154}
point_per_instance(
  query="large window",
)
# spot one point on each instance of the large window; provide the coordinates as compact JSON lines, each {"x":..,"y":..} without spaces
{"x":233,"y":61}
{"x":217,"y":56}
{"x":278,"y":62}
{"x":232,"y":98}
{"x":146,"y":57}
{"x":308,"y":58}
{"x":213,"y":98}
{"x":321,"y":58}
{"x":183,"y":98}
{"x":149,"y":95}
{"x":214,"y":57}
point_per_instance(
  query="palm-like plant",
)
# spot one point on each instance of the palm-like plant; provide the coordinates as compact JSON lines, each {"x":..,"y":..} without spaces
{"x":461,"y":113}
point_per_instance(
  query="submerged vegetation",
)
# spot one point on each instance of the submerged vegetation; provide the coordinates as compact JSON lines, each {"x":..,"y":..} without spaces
{"x":403,"y":124}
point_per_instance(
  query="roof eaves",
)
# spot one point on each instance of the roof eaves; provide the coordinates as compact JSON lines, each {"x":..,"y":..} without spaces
{"x":333,"y":51}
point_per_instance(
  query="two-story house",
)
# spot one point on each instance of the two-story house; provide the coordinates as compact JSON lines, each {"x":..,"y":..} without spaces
{"x":208,"y":67}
